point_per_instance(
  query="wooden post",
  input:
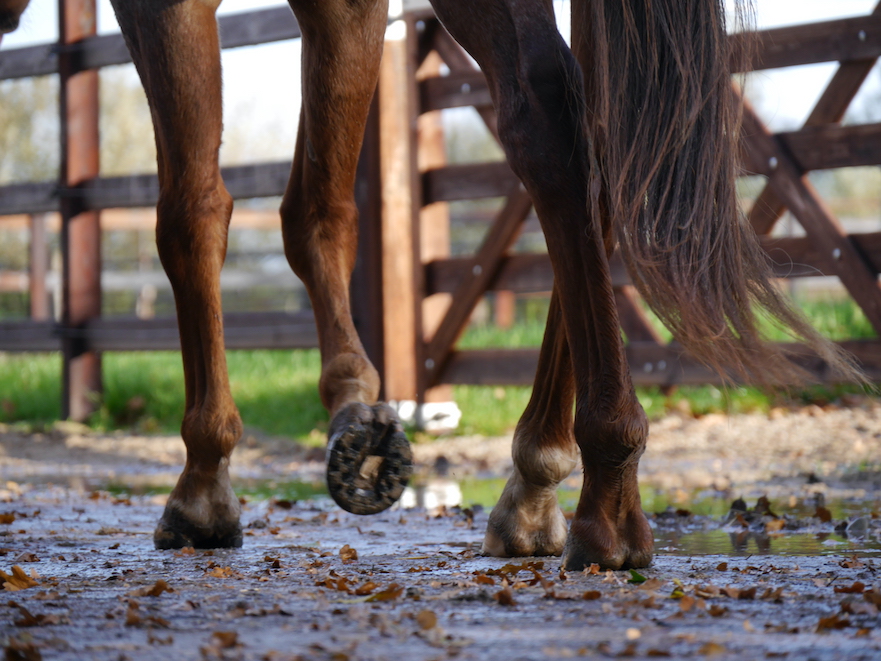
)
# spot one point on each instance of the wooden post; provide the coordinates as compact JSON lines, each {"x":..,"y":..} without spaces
{"x":38,"y":266}
{"x":434,"y":218}
{"x":401,"y":277}
{"x":80,"y":228}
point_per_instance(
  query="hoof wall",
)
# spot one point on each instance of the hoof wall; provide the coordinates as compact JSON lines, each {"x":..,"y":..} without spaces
{"x":176,"y":531}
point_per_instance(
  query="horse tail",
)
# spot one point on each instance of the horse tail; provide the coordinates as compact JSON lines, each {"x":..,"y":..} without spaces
{"x":662,"y":127}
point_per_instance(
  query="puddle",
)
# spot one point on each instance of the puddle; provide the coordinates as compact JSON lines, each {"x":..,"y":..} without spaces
{"x":697,"y":524}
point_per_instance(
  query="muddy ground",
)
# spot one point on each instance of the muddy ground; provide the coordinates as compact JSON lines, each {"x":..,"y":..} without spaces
{"x":313,"y":582}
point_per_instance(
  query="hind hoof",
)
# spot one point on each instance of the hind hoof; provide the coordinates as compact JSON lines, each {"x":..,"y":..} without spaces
{"x":175,"y":531}
{"x":369,"y":460}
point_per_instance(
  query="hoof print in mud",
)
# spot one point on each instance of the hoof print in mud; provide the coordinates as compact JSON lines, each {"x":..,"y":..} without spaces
{"x":369,"y":460}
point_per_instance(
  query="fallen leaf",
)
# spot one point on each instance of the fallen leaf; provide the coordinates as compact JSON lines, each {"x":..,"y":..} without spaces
{"x":592,"y":595}
{"x":852,"y":562}
{"x":717,"y":610}
{"x":712,"y":649}
{"x":483,"y":579}
{"x":722,"y":566}
{"x":7,"y":517}
{"x":348,"y":554}
{"x":593,"y":570}
{"x":226,"y":639}
{"x":823,"y":514}
{"x":505,"y":596}
{"x":856,"y":588}
{"x":27,"y":556}
{"x":686,"y":603}
{"x":391,"y":593}
{"x":19,"y":580}
{"x":22,"y":650}
{"x":155,"y":590}
{"x":28,"y":619}
{"x":832,"y":622}
{"x":426,"y":619}
{"x":636,"y":577}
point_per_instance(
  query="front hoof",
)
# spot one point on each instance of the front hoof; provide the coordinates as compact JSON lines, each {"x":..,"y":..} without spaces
{"x":369,"y":460}
{"x":176,"y":531}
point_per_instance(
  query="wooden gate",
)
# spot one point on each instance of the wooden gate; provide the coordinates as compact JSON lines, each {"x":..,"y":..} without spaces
{"x":784,"y":159}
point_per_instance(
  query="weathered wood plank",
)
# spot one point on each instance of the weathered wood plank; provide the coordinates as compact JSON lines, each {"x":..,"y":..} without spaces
{"x":261,"y":330}
{"x":236,"y":30}
{"x":827,"y":147}
{"x":650,"y":364}
{"x":457,"y":90}
{"x":842,"y":40}
{"x":141,"y":190}
{"x":467,"y":182}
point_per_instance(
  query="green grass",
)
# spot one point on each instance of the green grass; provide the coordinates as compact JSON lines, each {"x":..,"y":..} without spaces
{"x":276,"y":391}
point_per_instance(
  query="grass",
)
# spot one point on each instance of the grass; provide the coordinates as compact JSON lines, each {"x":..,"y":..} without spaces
{"x":276,"y":391}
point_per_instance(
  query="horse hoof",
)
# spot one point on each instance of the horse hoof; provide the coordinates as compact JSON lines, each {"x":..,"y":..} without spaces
{"x":175,"y":531}
{"x":369,"y":460}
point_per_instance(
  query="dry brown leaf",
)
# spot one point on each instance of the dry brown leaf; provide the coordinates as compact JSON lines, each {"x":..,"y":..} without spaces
{"x":593,"y":570}
{"x":686,"y":603}
{"x":185,"y":551}
{"x":426,"y":619}
{"x":365,"y":588}
{"x":505,"y":596}
{"x":348,"y":554}
{"x":712,"y":649}
{"x":18,"y":580}
{"x":483,"y":579}
{"x":22,"y":650}
{"x":740,"y":593}
{"x":852,"y":562}
{"x":155,"y":590}
{"x":7,"y":517}
{"x":28,"y":619}
{"x":832,"y":622}
{"x":226,"y":639}
{"x":722,"y":566}
{"x":717,"y":611}
{"x":856,"y":588}
{"x":591,"y":595}
{"x":27,"y":556}
{"x":391,"y":593}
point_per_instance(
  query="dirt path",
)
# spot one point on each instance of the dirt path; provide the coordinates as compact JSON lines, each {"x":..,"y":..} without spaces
{"x":417,"y":588}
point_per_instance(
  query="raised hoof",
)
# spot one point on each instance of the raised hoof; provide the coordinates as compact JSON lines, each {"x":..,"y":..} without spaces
{"x":175,"y":531}
{"x":369,"y":460}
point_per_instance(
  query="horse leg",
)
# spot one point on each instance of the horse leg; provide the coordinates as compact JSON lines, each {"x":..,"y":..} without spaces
{"x":537,"y":89}
{"x":368,"y":455}
{"x":527,"y":520}
{"x":175,"y":48}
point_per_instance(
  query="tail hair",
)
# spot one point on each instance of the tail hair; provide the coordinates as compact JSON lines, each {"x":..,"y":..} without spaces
{"x":663,"y":123}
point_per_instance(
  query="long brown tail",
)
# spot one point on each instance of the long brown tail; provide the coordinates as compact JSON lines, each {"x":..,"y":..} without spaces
{"x":663,"y":125}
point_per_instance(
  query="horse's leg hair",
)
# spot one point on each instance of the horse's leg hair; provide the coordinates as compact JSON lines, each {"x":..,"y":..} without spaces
{"x":175,"y":48}
{"x":537,"y":89}
{"x":342,"y":48}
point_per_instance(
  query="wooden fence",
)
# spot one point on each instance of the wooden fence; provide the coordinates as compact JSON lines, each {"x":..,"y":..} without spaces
{"x":784,"y":159}
{"x":411,"y":301}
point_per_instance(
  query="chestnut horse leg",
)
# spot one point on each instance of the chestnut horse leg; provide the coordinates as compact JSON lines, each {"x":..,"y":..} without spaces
{"x":369,"y":458}
{"x":527,"y":520}
{"x":537,"y":89}
{"x":175,"y":47}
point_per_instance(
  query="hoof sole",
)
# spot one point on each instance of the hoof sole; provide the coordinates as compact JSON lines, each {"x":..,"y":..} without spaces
{"x":369,"y":462}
